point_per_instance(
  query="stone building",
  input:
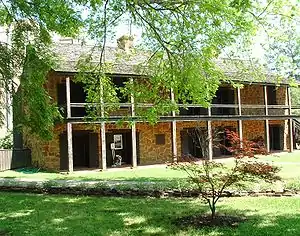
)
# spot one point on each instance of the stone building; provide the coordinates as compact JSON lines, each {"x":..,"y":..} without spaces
{"x":260,"y":110}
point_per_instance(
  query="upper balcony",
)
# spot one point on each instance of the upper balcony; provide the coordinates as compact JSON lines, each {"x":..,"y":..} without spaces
{"x":254,"y":101}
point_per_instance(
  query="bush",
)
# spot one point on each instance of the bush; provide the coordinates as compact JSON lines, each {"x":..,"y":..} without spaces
{"x":7,"y":141}
{"x":213,"y":178}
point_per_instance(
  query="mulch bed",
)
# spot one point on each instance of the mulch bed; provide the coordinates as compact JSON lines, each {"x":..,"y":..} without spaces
{"x":199,"y":221}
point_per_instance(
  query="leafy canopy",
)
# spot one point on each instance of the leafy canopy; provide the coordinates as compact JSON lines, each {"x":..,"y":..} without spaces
{"x":25,"y":59}
{"x":182,"y":39}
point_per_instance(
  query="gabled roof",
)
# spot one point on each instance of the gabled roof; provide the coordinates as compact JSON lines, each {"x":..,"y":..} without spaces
{"x":69,"y":54}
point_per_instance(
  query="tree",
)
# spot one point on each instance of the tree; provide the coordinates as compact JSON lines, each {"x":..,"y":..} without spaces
{"x":283,"y":47}
{"x":182,"y":39}
{"x":27,"y":57}
{"x":213,"y":178}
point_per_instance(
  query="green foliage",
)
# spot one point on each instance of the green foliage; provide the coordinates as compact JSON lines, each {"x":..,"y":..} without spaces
{"x":99,"y":88}
{"x":7,"y":141}
{"x":181,"y":38}
{"x":212,"y":178}
{"x":35,"y":112}
{"x":283,"y":44}
{"x":26,"y":57}
{"x":181,"y":41}
{"x":293,"y":184}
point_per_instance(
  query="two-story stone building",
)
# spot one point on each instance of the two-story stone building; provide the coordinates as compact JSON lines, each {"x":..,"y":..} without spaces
{"x":258,"y":110}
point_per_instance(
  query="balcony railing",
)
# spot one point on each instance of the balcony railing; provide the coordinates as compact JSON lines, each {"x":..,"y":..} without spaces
{"x":188,"y":111}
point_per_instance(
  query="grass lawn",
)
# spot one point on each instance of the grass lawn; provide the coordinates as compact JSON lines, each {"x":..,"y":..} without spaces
{"x":289,"y":162}
{"x":30,"y":214}
{"x":140,"y":174}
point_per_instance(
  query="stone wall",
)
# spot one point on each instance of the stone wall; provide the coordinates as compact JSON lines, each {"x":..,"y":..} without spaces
{"x":252,"y":129}
{"x":51,"y":85}
{"x":254,"y":95}
{"x":150,"y":152}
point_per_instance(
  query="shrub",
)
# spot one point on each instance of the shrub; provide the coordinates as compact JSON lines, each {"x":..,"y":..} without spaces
{"x":212,"y":178}
{"x":6,"y":142}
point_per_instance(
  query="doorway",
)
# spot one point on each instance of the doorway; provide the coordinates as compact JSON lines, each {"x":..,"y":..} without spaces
{"x":119,"y":143}
{"x":221,"y":142}
{"x":189,"y":144}
{"x":275,"y":132}
{"x":85,"y":150}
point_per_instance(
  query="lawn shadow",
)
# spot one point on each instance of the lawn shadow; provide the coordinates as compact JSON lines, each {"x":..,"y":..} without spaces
{"x":29,"y":214}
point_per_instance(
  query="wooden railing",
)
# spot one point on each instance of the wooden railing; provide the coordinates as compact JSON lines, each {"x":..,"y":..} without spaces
{"x":194,"y":110}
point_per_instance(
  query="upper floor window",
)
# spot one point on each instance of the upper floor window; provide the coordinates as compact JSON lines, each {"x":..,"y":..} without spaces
{"x":271,"y":93}
{"x":119,"y":83}
{"x":224,"y":95}
{"x":77,"y":95}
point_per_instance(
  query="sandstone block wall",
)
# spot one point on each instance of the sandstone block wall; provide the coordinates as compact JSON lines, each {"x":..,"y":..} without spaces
{"x":150,"y":152}
{"x":254,"y":95}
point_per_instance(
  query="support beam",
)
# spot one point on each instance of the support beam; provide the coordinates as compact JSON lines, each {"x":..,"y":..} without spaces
{"x":291,"y":137}
{"x":240,"y":123}
{"x":133,"y":132}
{"x":134,"y":151}
{"x":240,"y":114}
{"x":103,"y":147}
{"x":267,"y":132}
{"x":103,"y":139}
{"x":267,"y":135}
{"x":174,"y":141}
{"x":210,"y":137}
{"x":70,"y":147}
{"x":174,"y":130}
{"x":68,"y":97}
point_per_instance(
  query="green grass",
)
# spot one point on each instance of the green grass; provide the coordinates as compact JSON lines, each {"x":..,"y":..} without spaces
{"x":289,"y":162}
{"x":284,"y":157}
{"x":145,"y":174}
{"x":30,"y":214}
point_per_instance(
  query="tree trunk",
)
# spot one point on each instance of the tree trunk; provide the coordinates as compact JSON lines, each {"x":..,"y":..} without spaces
{"x":213,"y":212}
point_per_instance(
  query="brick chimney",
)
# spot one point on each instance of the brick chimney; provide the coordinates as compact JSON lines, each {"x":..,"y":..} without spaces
{"x":125,"y":42}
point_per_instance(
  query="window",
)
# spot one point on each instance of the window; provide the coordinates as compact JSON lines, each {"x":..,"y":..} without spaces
{"x":271,"y":93}
{"x":160,"y":139}
{"x":119,"y":83}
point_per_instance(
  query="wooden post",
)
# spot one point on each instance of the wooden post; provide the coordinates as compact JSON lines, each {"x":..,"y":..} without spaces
{"x":103,"y":139}
{"x":174,"y":141}
{"x":70,"y":147}
{"x":103,"y":147}
{"x":291,"y":138}
{"x":210,"y":138}
{"x":174,"y":130}
{"x":68,"y":97}
{"x":133,"y":131}
{"x":240,"y":113}
{"x":267,"y":121}
{"x":134,"y":151}
{"x":69,"y":126}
